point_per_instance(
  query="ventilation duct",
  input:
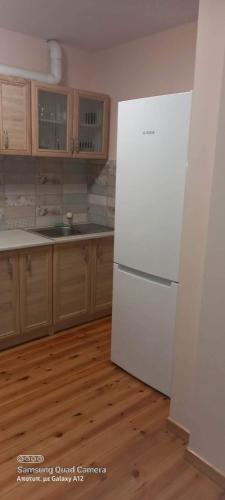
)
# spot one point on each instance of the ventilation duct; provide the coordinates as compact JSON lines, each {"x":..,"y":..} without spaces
{"x":55,"y":67}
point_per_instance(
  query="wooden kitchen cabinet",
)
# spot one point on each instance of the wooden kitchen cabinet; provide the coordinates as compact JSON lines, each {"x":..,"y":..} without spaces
{"x":25,"y":295}
{"x":9,"y":295}
{"x":71,"y":282}
{"x":82,"y":281}
{"x":69,"y":123}
{"x":45,"y":289}
{"x":91,"y":125}
{"x":65,"y":122}
{"x":51,"y":120}
{"x":102,"y":269}
{"x":15,"y":116}
{"x":52,"y":115}
{"x":36,"y":288}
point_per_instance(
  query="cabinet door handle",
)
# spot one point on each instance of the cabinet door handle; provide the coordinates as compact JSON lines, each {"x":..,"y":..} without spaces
{"x":29,"y":264}
{"x":10,"y":267}
{"x":86,"y":254}
{"x":77,"y":148}
{"x":6,"y":140}
{"x":99,"y":253}
{"x":72,"y":145}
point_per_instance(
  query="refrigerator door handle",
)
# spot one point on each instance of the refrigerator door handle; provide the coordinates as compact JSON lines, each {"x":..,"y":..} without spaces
{"x":148,"y":277}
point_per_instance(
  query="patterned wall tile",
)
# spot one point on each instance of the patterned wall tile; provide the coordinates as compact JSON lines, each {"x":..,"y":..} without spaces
{"x":101,"y":188}
{"x":17,"y":222}
{"x":48,"y":210}
{"x":19,"y":200}
{"x":75,"y":188}
{"x":2,"y":218}
{"x":19,"y":164}
{"x":1,"y":182}
{"x":40,"y":191}
{"x":75,"y":198}
{"x":48,"y":220}
{"x":49,"y":177}
{"x":48,"y":188}
{"x":75,"y":167}
{"x":19,"y":211}
{"x":2,"y":200}
{"x":78,"y":217}
{"x":96,"y":199}
{"x":49,"y":199}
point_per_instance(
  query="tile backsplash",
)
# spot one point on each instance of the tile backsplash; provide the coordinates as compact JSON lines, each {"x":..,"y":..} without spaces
{"x":40,"y":191}
{"x":101,"y":192}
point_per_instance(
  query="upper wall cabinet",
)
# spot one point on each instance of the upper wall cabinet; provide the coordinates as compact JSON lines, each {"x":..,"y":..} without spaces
{"x":65,"y":123}
{"x":15,"y":116}
{"x":52,"y":110}
{"x":91,"y":125}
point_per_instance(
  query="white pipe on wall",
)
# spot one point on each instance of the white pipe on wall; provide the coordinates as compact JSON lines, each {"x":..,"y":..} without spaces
{"x":55,"y":67}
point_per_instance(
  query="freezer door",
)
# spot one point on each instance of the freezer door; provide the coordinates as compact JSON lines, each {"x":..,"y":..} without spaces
{"x":143,"y":327}
{"x":151,"y":167}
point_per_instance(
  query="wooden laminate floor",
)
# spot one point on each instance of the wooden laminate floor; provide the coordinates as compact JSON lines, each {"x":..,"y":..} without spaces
{"x":62,"y":397}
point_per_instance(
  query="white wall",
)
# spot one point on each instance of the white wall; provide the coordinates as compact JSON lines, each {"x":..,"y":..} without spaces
{"x":198,"y":399}
{"x":207,"y":424}
{"x":31,"y":52}
{"x":206,"y":99}
{"x":157,"y":64}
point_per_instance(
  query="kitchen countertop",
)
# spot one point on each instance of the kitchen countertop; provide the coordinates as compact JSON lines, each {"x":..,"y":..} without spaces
{"x":90,"y":231}
{"x":77,"y":237}
{"x":13,"y":239}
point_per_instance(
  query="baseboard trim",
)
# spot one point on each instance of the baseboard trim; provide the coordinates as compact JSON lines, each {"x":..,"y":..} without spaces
{"x":205,"y":467}
{"x":13,"y":341}
{"x":80,"y":320}
{"x":178,"y":430}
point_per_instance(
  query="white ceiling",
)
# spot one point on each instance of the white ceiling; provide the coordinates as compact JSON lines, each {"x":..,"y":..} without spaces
{"x":95,"y":24}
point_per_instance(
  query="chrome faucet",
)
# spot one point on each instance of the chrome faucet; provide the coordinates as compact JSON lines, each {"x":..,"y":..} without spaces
{"x":69,"y":217}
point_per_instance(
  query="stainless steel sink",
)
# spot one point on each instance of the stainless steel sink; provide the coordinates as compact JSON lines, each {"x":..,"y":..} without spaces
{"x":57,"y":232}
{"x":61,"y":231}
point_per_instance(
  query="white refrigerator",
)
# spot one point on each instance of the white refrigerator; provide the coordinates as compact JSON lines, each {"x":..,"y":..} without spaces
{"x":152,"y":153}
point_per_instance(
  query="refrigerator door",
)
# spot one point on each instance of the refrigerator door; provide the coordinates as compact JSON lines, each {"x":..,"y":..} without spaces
{"x":151,"y":168}
{"x":143,"y":327}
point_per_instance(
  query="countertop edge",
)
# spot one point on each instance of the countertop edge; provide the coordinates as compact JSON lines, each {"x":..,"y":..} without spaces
{"x":52,"y":241}
{"x":80,"y":237}
{"x":21,"y":246}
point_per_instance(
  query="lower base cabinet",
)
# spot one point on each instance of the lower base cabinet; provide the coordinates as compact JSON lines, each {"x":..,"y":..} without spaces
{"x":36,"y":288}
{"x":25,"y":295}
{"x":82,"y":277}
{"x":102,"y":274}
{"x":9,"y":295}
{"x":49,"y":288}
{"x":71,"y":282}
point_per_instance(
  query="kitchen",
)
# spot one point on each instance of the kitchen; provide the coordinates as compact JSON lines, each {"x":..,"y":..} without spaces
{"x":54,"y":195}
{"x":81,"y":115}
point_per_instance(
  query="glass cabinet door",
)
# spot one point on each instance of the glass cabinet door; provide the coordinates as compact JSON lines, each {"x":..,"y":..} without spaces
{"x":91,"y":140}
{"x":53,"y":118}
